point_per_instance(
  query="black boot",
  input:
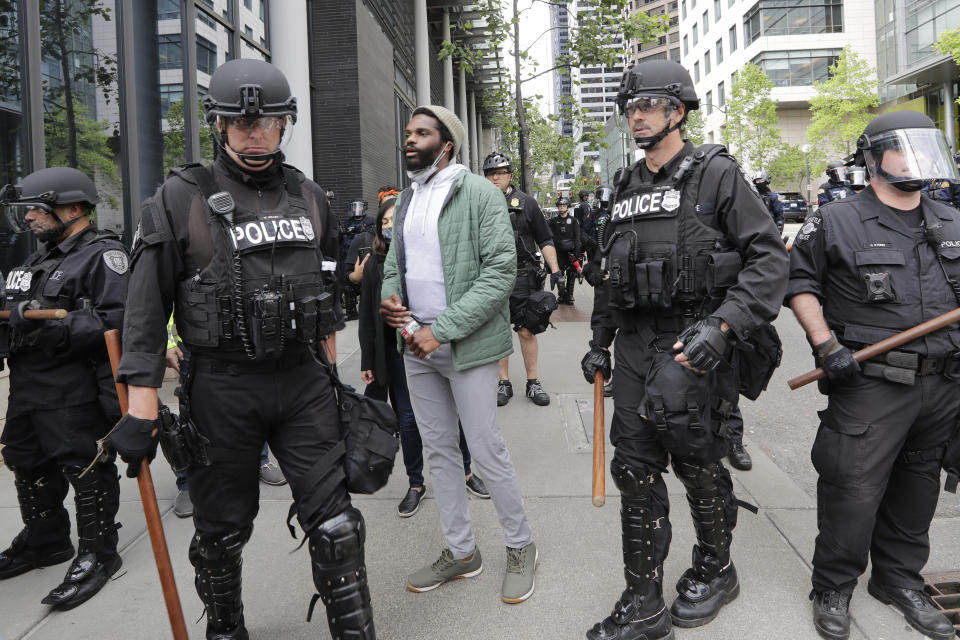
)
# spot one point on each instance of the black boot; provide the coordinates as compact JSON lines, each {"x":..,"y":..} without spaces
{"x":917,"y":607}
{"x":339,"y":573}
{"x":218,"y":561}
{"x":712,"y":580}
{"x":98,"y":499}
{"x":636,"y":617}
{"x":831,"y":614}
{"x":45,"y":537}
{"x":738,"y":457}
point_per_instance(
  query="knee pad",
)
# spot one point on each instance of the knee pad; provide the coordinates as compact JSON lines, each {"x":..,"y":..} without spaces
{"x":218,"y":549}
{"x":633,"y":482}
{"x":701,"y":477}
{"x":339,"y":539}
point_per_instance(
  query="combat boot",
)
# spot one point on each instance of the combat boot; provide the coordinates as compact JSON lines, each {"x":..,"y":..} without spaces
{"x":340,"y":576}
{"x":218,"y":561}
{"x":98,"y":500}
{"x":831,"y":614}
{"x":45,"y":538}
{"x":636,"y":616}
{"x":703,"y":590}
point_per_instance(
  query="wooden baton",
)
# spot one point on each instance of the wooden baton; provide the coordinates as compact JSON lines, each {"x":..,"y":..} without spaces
{"x":885,"y":345}
{"x":599,"y":471}
{"x":151,"y":510}
{"x":38,"y":314}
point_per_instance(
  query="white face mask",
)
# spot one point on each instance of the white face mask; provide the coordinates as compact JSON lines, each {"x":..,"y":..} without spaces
{"x":421,"y":176}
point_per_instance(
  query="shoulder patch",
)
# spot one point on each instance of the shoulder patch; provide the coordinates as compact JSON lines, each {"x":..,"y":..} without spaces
{"x":116,"y":261}
{"x":809,"y":229}
{"x":945,"y":185}
{"x":821,"y":191}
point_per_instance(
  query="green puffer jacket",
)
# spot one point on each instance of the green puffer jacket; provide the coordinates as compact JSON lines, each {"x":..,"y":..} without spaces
{"x":479,"y":270}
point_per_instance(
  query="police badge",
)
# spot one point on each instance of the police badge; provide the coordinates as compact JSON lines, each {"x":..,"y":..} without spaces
{"x":515,"y":202}
{"x":671,"y":200}
{"x":25,"y":281}
{"x":307,"y":227}
{"x":116,"y":261}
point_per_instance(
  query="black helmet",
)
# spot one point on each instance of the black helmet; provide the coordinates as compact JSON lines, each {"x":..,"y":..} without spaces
{"x":45,"y":189}
{"x":358,"y":208}
{"x":923,"y":151}
{"x":248,"y":88}
{"x":663,"y":78}
{"x":836,"y":171}
{"x":563,"y":201}
{"x":584,"y":193}
{"x":761,"y":177}
{"x":496,"y":160}
{"x":604,"y":195}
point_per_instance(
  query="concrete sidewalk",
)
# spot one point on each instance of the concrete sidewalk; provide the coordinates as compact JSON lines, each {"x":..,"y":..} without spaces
{"x":580,"y":574}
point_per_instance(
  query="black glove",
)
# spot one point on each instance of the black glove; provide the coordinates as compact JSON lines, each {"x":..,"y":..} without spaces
{"x":556,"y":280}
{"x":593,"y":274}
{"x":705,"y":344}
{"x":21,"y":324}
{"x":132,"y":439}
{"x":836,"y":360}
{"x":597,"y":359}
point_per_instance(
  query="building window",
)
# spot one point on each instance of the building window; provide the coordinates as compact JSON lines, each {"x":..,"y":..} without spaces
{"x":686,"y":47}
{"x":248,"y":4}
{"x":797,"y":68}
{"x":683,"y":9}
{"x":716,"y":10}
{"x":696,"y":71}
{"x":248,"y":31}
{"x":171,"y":55}
{"x":925,"y":21}
{"x":169,"y":94}
{"x":709,"y":103}
{"x":168,"y":10}
{"x":206,"y":19}
{"x":706,"y":22}
{"x":721,"y":97}
{"x":719,"y":51}
{"x":206,"y":55}
{"x":696,"y":38}
{"x":792,"y":17}
{"x":675,"y":54}
{"x":733,"y":38}
{"x":706,"y":62}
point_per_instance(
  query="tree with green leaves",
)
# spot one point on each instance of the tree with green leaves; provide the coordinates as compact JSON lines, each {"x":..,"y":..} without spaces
{"x":789,"y":168}
{"x":841,"y":107}
{"x":95,"y":152}
{"x":174,"y":140}
{"x":948,"y":44}
{"x":751,"y":132}
{"x":694,"y":128}
{"x":588,"y":47}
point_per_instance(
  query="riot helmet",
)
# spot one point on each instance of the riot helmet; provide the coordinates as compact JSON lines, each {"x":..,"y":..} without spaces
{"x":250,"y":93}
{"x":836,"y":172}
{"x":564,"y":202}
{"x":857,"y":177}
{"x":657,"y":84}
{"x":45,"y":189}
{"x":761,"y":179}
{"x":604,"y":195}
{"x":358,"y":208}
{"x":906,"y":149}
{"x":496,"y":160}
{"x":584,"y":193}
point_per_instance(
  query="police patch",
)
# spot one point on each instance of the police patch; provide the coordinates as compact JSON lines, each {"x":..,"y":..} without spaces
{"x":268,"y":230}
{"x":671,"y":200}
{"x":515,"y":202}
{"x":116,"y":261}
{"x":808,"y":230}
{"x":644,"y":201}
{"x":945,"y":185}
{"x":307,"y":227}
{"x":19,"y":279}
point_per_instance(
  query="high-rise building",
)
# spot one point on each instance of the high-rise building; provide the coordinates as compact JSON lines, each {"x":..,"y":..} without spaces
{"x":665,"y":47}
{"x":562,"y":84}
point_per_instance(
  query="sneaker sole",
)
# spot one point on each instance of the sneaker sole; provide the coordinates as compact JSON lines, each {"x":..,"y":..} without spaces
{"x":417,"y":508}
{"x":469,"y":574}
{"x":536,"y":561}
{"x":727,"y":598}
{"x":482,"y":496}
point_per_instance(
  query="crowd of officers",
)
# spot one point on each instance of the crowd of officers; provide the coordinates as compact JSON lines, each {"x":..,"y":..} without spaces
{"x":688,"y":271}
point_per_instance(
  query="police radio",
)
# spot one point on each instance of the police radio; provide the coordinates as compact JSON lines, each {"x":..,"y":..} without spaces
{"x":222,"y":204}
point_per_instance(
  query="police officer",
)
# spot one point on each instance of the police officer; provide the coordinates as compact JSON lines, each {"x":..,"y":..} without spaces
{"x":771,"y":199}
{"x":583,"y":208}
{"x":567,"y":242}
{"x":835,"y":188}
{"x":857,"y":177}
{"x":246,"y":248}
{"x":529,"y":309}
{"x":593,"y":222}
{"x":694,"y":265}
{"x":862,"y":270}
{"x":357,"y":233}
{"x":947,"y":191}
{"x":84,"y":271}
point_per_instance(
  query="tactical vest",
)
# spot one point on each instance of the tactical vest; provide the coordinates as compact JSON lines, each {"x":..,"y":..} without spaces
{"x":522,"y":231}
{"x":660,"y":256}
{"x":267,"y":283}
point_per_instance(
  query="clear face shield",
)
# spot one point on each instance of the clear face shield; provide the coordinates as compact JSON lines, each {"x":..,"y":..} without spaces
{"x":15,"y":207}
{"x":837,"y":174}
{"x":254,"y":140}
{"x":857,"y":177}
{"x":908,"y":158}
{"x":358,"y":208}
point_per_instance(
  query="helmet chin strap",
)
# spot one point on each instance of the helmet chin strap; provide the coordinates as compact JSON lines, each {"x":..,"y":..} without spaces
{"x":648,"y":142}
{"x":52,"y":234}
{"x":253,"y":160}
{"x":898,"y":182}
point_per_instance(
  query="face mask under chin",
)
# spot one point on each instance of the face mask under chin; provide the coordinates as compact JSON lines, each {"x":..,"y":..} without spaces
{"x":420,"y":176}
{"x":909,"y":186}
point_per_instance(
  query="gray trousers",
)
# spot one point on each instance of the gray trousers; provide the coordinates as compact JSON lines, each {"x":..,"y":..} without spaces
{"x":440,"y":395}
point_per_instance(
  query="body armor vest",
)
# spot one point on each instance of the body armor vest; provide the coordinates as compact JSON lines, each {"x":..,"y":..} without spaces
{"x":266,"y":284}
{"x":660,"y":255}
{"x":522,"y":232}
{"x":563,"y":235}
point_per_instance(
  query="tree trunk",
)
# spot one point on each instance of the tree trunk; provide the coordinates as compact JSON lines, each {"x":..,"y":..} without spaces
{"x":71,"y":119}
{"x":521,"y":115}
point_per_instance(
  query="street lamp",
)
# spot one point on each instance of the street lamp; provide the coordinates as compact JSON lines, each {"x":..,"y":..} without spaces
{"x":806,"y":159}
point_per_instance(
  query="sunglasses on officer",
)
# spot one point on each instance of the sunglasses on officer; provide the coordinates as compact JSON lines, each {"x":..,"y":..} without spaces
{"x":646,"y":104}
{"x":264,"y":124}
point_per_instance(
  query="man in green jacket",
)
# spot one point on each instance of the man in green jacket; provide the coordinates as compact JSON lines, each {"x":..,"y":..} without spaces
{"x":450,"y":268}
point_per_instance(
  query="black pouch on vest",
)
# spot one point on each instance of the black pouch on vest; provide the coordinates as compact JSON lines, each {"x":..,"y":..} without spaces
{"x":372,"y":439}
{"x":622,"y":281}
{"x":757,"y":359}
{"x":654,"y":284}
{"x":722,"y":271}
{"x":536,"y":313}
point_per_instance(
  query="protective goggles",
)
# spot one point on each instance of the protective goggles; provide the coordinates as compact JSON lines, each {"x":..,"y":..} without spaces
{"x":264,"y":124}
{"x":646,"y":104}
{"x":16,"y":207}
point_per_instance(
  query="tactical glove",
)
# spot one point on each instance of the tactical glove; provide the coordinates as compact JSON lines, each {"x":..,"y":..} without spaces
{"x":134,"y":439}
{"x":21,"y":324}
{"x":705,"y":344}
{"x":593,"y":274}
{"x":836,"y":360}
{"x":597,"y":359}
{"x":557,"y":281}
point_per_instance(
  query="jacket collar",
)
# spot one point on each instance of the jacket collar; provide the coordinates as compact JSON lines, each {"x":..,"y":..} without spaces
{"x":869,"y":207}
{"x":70,"y":243}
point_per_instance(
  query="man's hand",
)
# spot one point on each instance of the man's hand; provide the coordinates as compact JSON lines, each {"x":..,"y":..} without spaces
{"x":21,"y":324}
{"x":557,"y":280}
{"x":704,"y":345}
{"x":836,"y":360}
{"x":422,"y":343}
{"x":367,"y":376}
{"x":135,"y":439}
{"x":394,"y":313}
{"x":174,"y":358}
{"x":597,"y":359}
{"x":357,"y":275}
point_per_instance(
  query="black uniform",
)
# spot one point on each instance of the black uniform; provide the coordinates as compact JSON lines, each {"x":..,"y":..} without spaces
{"x":830,"y":191}
{"x":48,"y":444}
{"x":581,"y":211}
{"x":680,"y":251}
{"x":567,"y":241}
{"x":880,"y":444}
{"x":531,"y":232}
{"x":254,"y":290}
{"x":946,"y":191}
{"x":357,"y":233}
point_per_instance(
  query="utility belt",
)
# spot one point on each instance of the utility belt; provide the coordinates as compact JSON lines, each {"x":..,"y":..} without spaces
{"x":665,"y":323}
{"x":205,"y":364}
{"x":903,"y":368}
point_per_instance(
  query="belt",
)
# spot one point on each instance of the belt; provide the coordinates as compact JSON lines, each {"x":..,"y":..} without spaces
{"x":206,"y":364}
{"x":921,"y":365}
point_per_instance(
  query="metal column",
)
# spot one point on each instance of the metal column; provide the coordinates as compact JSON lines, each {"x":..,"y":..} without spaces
{"x":290,"y":47}
{"x":130,"y":151}
{"x":472,"y":130}
{"x":949,"y":108}
{"x":32,"y":61}
{"x":465,"y":119}
{"x":191,"y":108}
{"x":421,"y":45}
{"x":448,"y":99}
